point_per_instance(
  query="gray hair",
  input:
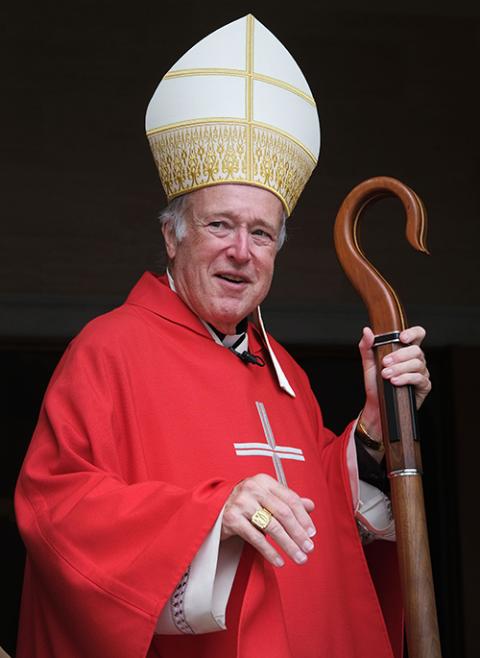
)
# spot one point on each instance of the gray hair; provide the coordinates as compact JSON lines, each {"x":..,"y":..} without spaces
{"x":175,"y":214}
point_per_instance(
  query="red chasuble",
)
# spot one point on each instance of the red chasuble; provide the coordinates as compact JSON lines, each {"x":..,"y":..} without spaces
{"x":136,"y":450}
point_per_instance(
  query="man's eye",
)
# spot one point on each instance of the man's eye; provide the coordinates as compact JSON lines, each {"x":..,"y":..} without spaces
{"x":262,"y":234}
{"x":217,"y":224}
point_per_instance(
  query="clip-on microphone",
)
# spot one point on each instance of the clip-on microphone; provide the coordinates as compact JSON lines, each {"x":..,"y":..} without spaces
{"x":247,"y":358}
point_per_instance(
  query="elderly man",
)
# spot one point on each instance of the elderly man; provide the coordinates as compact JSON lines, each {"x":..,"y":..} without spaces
{"x":181,"y":496}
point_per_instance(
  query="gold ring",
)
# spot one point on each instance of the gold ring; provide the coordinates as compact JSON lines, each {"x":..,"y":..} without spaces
{"x":261,"y":518}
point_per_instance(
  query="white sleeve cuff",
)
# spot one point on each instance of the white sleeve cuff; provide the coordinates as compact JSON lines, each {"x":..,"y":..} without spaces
{"x":198,"y":604}
{"x":372,"y":508}
{"x":352,"y":466}
{"x":374,"y":514}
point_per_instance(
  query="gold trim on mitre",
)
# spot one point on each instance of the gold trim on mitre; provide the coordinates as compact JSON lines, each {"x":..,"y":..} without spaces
{"x":244,"y":148}
{"x":190,"y":157}
{"x":240,"y":73}
{"x":235,"y":121}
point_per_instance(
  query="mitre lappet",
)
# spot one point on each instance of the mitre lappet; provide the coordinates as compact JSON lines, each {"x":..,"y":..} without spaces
{"x":235,"y":108}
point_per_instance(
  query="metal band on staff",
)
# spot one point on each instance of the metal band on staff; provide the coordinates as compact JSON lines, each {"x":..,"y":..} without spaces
{"x":404,"y":472}
{"x":385,"y":339}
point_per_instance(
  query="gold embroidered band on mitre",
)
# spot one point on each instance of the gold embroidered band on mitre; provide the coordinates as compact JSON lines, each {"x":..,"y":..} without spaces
{"x":194,"y":156}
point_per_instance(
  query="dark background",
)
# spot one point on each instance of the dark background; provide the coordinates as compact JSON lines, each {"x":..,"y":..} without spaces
{"x":396,"y":87}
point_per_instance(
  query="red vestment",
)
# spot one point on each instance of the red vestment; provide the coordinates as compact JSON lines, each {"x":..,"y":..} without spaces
{"x":131,"y":462}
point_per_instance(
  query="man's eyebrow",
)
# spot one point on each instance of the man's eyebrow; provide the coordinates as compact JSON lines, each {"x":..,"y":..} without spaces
{"x":222,"y":213}
{"x":231,"y":214}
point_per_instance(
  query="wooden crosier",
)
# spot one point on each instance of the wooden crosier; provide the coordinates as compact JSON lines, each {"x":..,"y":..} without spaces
{"x":397,"y":407}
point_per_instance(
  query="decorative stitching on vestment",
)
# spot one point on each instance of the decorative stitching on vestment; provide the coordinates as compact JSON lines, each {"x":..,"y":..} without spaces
{"x":365,"y":535}
{"x":176,"y":605}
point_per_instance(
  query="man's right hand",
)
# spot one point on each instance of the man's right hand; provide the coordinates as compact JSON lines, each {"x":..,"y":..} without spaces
{"x":290,"y":528}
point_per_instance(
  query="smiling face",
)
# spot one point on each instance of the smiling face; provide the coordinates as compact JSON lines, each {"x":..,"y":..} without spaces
{"x":223,"y":267}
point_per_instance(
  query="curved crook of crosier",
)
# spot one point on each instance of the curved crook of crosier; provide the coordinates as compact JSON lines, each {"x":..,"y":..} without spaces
{"x":384,"y":307}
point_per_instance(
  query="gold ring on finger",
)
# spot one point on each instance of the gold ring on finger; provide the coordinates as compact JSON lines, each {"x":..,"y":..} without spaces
{"x":261,"y":518}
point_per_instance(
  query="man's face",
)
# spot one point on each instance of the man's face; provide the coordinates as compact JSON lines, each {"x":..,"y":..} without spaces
{"x":223,"y":267}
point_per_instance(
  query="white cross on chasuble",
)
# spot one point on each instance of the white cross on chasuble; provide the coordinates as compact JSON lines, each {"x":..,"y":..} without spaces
{"x":270,"y":448}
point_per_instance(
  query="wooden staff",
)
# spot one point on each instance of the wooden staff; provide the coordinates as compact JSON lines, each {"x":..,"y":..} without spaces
{"x":397,"y":407}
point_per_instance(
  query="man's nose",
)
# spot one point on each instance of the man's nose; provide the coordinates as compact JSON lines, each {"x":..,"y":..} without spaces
{"x":239,"y":248}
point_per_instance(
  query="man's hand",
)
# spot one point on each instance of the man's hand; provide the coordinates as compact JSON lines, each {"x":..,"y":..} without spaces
{"x":404,"y":366}
{"x":291,"y":527}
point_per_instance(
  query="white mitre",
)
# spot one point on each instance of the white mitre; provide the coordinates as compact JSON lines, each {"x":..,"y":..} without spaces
{"x":235,"y":108}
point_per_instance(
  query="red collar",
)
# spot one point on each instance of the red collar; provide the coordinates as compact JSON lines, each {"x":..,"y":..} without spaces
{"x":153,"y":293}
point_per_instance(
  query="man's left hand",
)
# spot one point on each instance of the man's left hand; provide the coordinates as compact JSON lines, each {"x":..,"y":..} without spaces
{"x":401,"y":367}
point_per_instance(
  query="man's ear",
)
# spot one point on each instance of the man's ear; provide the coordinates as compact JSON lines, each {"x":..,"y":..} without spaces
{"x":170,"y":239}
